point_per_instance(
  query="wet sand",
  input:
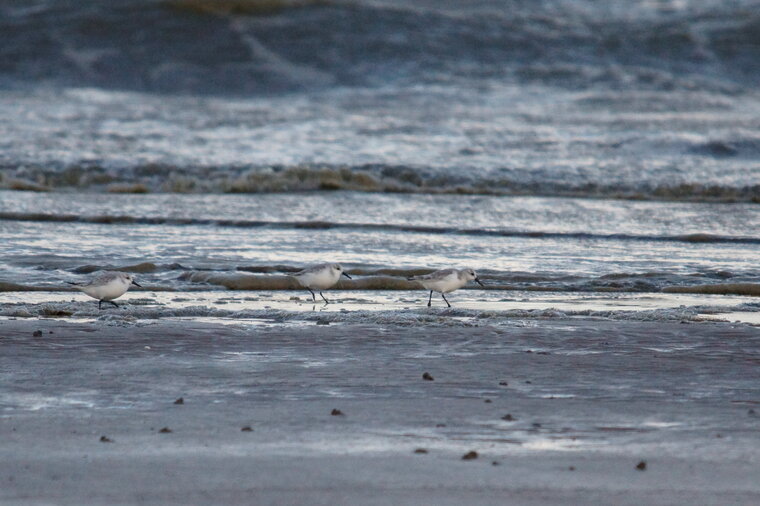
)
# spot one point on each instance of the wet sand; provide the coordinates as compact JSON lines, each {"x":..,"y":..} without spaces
{"x":558,"y":411}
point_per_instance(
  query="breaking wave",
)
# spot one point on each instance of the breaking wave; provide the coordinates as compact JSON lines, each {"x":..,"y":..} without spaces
{"x":365,"y":178}
{"x":268,"y":278}
{"x":752,"y":289}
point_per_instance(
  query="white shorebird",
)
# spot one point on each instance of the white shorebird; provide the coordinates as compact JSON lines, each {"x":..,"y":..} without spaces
{"x":107,"y":286}
{"x":445,"y":281}
{"x":320,"y":277}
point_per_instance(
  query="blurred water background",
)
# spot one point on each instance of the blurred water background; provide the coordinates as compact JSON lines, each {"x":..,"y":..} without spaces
{"x":564,"y":146}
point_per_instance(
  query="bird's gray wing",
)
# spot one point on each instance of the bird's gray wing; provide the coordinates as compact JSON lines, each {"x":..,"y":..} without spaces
{"x":434,"y":275}
{"x":103,"y":278}
{"x":308,"y":270}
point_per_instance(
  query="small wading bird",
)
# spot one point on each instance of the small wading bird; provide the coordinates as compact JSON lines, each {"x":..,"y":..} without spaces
{"x":320,"y":277}
{"x":445,"y":281}
{"x":107,"y":286}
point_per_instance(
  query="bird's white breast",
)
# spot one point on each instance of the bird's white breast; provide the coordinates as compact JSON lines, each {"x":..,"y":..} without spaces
{"x":321,"y":280}
{"x":108,"y":291}
{"x":444,"y":285}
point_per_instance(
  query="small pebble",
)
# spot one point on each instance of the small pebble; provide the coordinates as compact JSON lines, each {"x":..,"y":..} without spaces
{"x":420,"y":450}
{"x":336,"y":412}
{"x":37,"y":333}
{"x":104,"y":439}
{"x":494,"y":463}
{"x":487,"y":401}
{"x":537,"y":425}
{"x":165,"y":430}
{"x":503,"y":383}
{"x":508,"y":417}
{"x":427,"y":377}
{"x":470,"y":455}
{"x":641,"y":466}
{"x":247,"y":428}
{"x":181,"y":400}
{"x":440,"y":425}
{"x":571,"y":468}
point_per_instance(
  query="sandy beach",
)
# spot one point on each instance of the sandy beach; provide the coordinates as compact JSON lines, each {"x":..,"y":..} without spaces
{"x":557,"y":410}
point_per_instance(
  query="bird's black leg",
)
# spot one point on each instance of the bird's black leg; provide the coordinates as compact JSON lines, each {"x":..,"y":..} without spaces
{"x":112,"y":302}
{"x":313,"y":297}
{"x":430,"y":300}
{"x":99,"y":304}
{"x":444,"y":298}
{"x":326,"y":301}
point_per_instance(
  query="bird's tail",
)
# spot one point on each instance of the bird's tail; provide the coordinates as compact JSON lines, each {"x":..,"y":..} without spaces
{"x":74,"y":284}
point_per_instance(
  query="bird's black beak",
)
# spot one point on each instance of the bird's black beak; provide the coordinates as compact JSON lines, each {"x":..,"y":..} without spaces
{"x":477,"y":280}
{"x":136,"y":283}
{"x":349,"y":277}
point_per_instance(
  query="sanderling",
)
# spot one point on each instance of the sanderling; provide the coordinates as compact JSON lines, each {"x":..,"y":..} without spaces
{"x":320,"y":277}
{"x":107,"y":286}
{"x":445,"y":281}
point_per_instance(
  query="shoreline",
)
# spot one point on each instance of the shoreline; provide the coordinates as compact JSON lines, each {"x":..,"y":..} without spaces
{"x":383,"y":307}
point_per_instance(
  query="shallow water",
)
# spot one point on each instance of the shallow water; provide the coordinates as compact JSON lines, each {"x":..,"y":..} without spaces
{"x":201,"y":242}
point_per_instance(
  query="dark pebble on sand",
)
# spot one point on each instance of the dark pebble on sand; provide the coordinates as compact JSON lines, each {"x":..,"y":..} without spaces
{"x":751,"y":412}
{"x":494,"y":463}
{"x":181,"y":400}
{"x":104,"y":439}
{"x":536,"y":425}
{"x":488,"y":401}
{"x":37,"y":333}
{"x":571,"y":468}
{"x":427,"y":377}
{"x":508,"y":417}
{"x":641,"y":466}
{"x":471,"y":455}
{"x":247,"y":428}
{"x":529,"y":382}
{"x":420,"y":450}
{"x":503,"y":383}
{"x":50,"y":332}
{"x":336,"y":412}
{"x":440,"y":425}
{"x":323,"y":322}
{"x":165,"y":430}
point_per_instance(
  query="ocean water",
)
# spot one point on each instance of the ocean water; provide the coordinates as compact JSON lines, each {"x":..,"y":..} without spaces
{"x":573,"y":148}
